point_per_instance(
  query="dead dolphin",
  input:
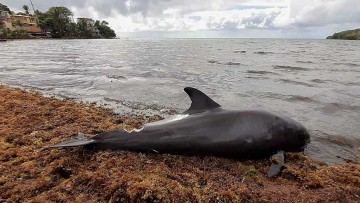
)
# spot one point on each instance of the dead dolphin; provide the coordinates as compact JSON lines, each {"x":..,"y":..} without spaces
{"x":208,"y":129}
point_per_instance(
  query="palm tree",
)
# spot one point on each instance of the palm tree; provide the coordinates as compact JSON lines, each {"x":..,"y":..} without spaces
{"x":26,"y":9}
{"x":58,"y":18}
{"x":4,"y":8}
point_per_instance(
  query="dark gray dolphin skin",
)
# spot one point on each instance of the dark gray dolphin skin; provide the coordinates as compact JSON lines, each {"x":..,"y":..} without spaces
{"x":208,"y":129}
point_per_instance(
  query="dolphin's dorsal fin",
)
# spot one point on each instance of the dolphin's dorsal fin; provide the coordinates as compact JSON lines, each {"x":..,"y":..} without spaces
{"x":199,"y":101}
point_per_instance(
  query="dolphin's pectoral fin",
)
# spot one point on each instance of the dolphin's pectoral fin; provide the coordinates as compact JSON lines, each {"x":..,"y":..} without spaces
{"x":278,"y":161}
{"x":199,"y":101}
{"x":80,"y":140}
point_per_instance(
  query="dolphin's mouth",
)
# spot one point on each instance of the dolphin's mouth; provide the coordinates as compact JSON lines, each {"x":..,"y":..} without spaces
{"x":301,"y":143}
{"x":307,"y":140}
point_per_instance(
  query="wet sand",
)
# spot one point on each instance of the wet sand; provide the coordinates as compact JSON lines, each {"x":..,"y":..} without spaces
{"x":30,"y":122}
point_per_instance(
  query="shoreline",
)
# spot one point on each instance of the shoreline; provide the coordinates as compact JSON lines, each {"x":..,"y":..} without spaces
{"x":31,"y":122}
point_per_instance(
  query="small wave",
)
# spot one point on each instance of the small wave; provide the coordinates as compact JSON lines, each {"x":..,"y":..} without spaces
{"x":263,"y":52}
{"x":302,"y":51}
{"x":257,"y":77}
{"x":155,"y":64}
{"x":290,"y":98}
{"x":260,"y":72}
{"x":239,"y":52}
{"x":333,"y":149}
{"x":228,"y":63}
{"x":348,"y":64}
{"x":300,"y":98}
{"x":213,"y":61}
{"x":144,"y":106}
{"x":345,"y":70}
{"x":36,"y":88}
{"x":339,"y":140}
{"x":331,"y":108}
{"x":290,"y":68}
{"x":117,"y":77}
{"x":318,"y":81}
{"x":296,"y":82}
{"x":125,"y":67}
{"x":352,"y":83}
{"x":336,"y":81}
{"x":136,"y":79}
{"x":304,"y":61}
{"x":233,"y":64}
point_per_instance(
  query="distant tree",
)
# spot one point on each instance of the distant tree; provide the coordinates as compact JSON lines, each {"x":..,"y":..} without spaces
{"x":72,"y":29}
{"x":85,"y":27}
{"x":41,"y":20}
{"x":57,"y":20}
{"x":104,"y":29}
{"x":4,"y":8}
{"x":26,"y":9}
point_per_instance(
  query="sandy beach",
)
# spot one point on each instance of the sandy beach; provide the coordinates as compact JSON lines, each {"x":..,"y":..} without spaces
{"x":30,"y":122}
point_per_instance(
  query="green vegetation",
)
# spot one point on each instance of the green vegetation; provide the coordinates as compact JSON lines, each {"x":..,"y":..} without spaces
{"x":347,"y":35}
{"x":17,"y":34}
{"x":58,"y":21}
{"x":104,"y":29}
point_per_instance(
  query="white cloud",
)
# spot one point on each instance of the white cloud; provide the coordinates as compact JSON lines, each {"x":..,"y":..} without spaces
{"x":173,"y":20}
{"x":324,"y":12}
{"x":282,"y":16}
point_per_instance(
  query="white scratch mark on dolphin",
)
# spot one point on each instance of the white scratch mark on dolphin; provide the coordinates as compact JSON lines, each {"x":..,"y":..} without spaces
{"x":165,"y":121}
{"x":128,"y":131}
{"x":134,"y":130}
{"x":138,"y":130}
{"x":169,"y":120}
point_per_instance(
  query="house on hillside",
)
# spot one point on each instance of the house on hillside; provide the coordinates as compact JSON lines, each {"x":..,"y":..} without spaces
{"x":27,"y":23}
{"x":19,"y":22}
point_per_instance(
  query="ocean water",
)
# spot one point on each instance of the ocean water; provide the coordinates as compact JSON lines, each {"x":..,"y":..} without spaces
{"x":316,"y":82}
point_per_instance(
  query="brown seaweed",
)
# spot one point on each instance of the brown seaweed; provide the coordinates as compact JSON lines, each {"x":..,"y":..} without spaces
{"x":29,"y":122}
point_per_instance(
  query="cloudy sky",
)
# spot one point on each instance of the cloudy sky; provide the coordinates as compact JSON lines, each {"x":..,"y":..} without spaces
{"x":214,"y":18}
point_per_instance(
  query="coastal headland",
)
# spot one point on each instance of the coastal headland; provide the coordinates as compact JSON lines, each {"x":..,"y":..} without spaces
{"x":346,"y":35}
{"x":30,"y":122}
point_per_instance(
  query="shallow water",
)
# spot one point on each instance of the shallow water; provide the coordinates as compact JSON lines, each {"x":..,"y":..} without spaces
{"x":316,"y":82}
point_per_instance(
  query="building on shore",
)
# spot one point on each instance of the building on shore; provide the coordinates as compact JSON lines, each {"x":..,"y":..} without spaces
{"x":19,"y":22}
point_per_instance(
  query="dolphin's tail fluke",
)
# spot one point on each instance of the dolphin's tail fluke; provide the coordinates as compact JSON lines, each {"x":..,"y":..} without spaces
{"x":80,"y":140}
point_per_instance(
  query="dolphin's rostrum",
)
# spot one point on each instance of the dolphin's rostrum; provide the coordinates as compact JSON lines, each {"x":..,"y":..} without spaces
{"x":208,"y":129}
